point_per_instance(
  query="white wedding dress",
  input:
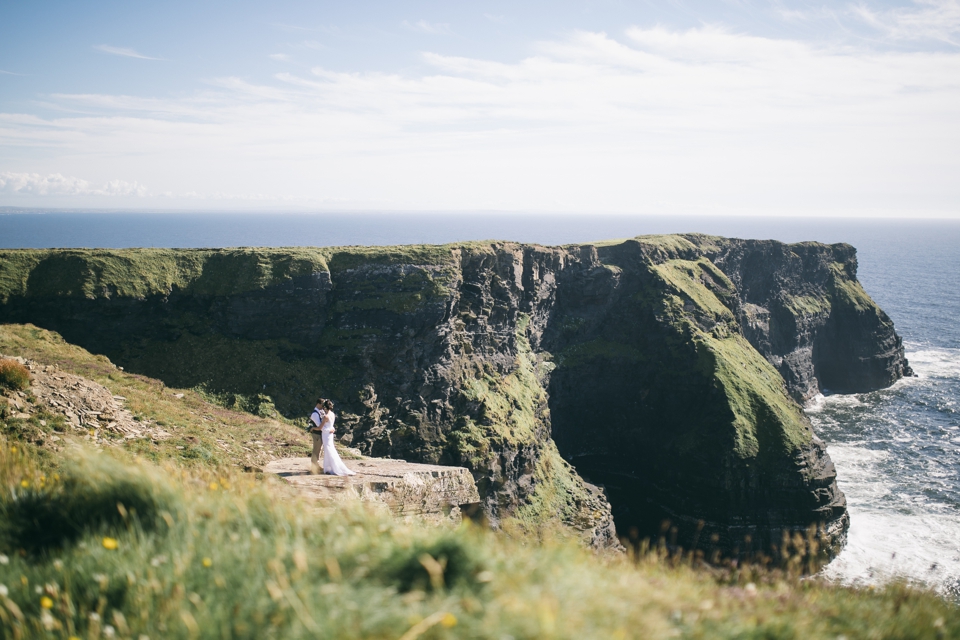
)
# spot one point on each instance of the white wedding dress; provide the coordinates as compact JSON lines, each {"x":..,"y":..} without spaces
{"x":332,"y":464}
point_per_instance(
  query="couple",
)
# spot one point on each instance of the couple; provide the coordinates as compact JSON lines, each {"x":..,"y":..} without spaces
{"x":321,"y":429}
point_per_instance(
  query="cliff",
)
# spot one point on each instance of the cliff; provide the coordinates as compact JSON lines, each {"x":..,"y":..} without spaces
{"x":661,"y":367}
{"x":427,"y":493}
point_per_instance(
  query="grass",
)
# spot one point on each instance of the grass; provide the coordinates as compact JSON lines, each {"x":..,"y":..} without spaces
{"x":151,"y":540}
{"x":137,"y":273}
{"x":766,"y":420}
{"x":13,"y":375}
{"x":212,"y":554}
{"x":203,"y":432}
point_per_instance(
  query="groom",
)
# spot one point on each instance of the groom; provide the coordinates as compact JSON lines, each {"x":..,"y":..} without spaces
{"x":316,"y":418}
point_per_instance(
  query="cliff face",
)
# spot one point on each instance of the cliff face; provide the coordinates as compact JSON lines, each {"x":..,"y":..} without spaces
{"x":661,"y":367}
{"x":803,"y":309}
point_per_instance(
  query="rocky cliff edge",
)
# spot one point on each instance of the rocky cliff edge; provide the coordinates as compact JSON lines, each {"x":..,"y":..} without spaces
{"x":666,"y":368}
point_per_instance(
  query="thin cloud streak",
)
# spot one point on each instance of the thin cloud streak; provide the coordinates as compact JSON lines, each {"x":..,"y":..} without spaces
{"x":422,"y":26}
{"x":937,"y":20}
{"x":123,"y":51}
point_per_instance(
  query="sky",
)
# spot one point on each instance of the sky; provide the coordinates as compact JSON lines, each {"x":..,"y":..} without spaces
{"x":728,"y":107}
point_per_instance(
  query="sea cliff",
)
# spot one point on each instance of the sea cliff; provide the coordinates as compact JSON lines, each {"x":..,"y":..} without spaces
{"x":666,"y":368}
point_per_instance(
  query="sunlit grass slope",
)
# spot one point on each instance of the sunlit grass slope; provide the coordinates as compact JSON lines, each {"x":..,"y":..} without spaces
{"x":100,"y":543}
{"x":204,"y":432}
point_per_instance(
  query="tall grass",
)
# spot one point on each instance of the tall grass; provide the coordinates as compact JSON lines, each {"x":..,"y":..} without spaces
{"x":13,"y":375}
{"x":194,"y":554}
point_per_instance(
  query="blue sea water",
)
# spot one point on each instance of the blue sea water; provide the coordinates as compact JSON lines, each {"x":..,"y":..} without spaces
{"x":897,"y":450}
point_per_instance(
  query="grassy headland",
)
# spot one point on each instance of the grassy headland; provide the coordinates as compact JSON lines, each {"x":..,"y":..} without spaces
{"x":139,"y":540}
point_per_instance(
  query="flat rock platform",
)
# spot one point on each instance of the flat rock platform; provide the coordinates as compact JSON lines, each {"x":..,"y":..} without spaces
{"x":406,"y":488}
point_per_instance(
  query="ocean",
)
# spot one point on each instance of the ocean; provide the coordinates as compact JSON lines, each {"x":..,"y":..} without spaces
{"x":897,"y":451}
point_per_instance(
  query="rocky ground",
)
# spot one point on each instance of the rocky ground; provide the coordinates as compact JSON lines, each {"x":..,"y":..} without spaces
{"x":89,"y":410}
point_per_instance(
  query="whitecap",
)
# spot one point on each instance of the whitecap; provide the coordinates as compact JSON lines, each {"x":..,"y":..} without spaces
{"x":935,"y":363}
{"x":883,"y":544}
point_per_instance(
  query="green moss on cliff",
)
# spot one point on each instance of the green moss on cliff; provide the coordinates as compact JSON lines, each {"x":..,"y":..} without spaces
{"x":691,"y":280}
{"x":344,"y":258}
{"x":138,"y":273}
{"x":512,"y":414}
{"x":806,"y":305}
{"x":584,"y":352}
{"x":765,"y":418}
{"x":400,"y":292}
{"x":511,"y":406}
{"x":849,"y":292}
{"x":560,"y":501}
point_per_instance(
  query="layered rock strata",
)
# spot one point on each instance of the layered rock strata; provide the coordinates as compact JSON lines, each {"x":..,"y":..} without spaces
{"x":409,"y":490}
{"x":666,"y":368}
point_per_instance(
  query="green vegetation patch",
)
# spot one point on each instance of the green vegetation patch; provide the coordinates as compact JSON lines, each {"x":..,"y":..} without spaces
{"x":560,"y":502}
{"x":233,"y":556}
{"x":203,"y":430}
{"x":137,"y":273}
{"x":701,"y":284}
{"x":225,"y":368}
{"x":401,"y":290}
{"x":848,"y":292}
{"x":13,"y":375}
{"x":585,"y":352}
{"x":343,"y":258}
{"x":806,"y":305}
{"x":91,"y":495}
{"x":511,"y":405}
{"x":766,"y":420}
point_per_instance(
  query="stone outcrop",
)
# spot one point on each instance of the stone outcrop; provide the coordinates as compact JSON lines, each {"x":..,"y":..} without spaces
{"x":409,"y":490}
{"x":803,"y":309}
{"x":89,"y":410}
{"x":667,"y":369}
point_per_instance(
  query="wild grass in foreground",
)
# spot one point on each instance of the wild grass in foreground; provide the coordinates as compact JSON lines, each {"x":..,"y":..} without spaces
{"x":113,"y":546}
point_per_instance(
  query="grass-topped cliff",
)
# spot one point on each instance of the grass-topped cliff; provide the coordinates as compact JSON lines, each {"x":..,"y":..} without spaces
{"x":111,"y":537}
{"x":666,"y":367}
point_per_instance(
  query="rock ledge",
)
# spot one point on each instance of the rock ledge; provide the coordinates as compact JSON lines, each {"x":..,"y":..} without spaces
{"x":428,"y":491}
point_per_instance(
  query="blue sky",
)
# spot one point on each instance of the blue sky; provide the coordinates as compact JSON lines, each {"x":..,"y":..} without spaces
{"x":734,"y":107}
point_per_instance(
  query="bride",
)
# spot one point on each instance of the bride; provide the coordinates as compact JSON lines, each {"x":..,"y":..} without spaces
{"x":332,"y":464}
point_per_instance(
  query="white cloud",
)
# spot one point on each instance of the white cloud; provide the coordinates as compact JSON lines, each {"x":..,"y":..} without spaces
{"x":34,"y":184}
{"x":433,"y":28}
{"x":937,"y":20}
{"x":279,"y":57}
{"x":701,"y":120}
{"x":122,"y":51}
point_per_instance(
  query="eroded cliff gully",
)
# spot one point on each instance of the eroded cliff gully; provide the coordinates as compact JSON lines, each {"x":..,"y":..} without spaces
{"x":666,"y":369}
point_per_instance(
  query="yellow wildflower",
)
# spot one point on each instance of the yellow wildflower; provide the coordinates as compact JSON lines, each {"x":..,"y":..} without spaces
{"x":207,"y":562}
{"x":110,"y":543}
{"x":449,"y":620}
{"x":24,"y":483}
{"x":214,"y":486}
{"x":46,"y":602}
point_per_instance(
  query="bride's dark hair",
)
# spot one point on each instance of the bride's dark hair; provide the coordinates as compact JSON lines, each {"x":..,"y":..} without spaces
{"x":328,"y":405}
